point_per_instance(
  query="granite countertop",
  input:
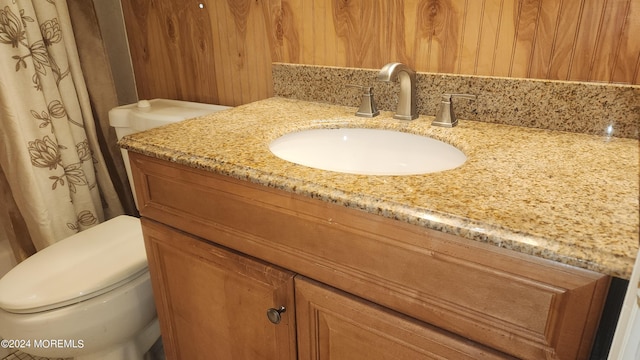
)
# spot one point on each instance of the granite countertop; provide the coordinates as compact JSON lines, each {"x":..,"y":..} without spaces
{"x":570,"y":198}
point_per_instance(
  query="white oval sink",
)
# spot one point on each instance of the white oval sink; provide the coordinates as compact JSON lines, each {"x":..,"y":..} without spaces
{"x":367,"y":151}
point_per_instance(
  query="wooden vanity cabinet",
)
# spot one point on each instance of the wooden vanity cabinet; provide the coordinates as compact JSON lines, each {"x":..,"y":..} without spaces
{"x":446,"y":287}
{"x":212,"y":304}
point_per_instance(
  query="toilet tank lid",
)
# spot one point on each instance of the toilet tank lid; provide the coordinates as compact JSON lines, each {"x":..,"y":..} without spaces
{"x":77,"y":268}
{"x":147,"y":114}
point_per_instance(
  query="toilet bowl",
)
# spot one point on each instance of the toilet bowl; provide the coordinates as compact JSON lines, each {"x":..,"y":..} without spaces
{"x":89,"y":296}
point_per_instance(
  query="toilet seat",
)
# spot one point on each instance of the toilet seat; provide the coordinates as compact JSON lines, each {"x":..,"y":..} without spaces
{"x":77,"y":268}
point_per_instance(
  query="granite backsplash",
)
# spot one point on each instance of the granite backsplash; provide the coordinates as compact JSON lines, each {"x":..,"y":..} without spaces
{"x":591,"y":108}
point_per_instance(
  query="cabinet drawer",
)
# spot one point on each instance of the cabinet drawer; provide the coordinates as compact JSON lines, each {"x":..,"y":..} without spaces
{"x":519,"y":304}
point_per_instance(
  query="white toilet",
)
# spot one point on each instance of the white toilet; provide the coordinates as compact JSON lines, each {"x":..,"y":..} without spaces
{"x":89,"y":296}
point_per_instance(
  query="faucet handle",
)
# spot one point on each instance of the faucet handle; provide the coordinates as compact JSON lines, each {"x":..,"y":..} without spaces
{"x":368,"y":104}
{"x":445,"y":116}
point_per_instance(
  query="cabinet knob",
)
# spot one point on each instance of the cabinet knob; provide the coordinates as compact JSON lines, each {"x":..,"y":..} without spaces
{"x":274,"y":314}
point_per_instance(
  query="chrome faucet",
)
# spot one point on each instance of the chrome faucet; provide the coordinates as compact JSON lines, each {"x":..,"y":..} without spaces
{"x":407,"y":109}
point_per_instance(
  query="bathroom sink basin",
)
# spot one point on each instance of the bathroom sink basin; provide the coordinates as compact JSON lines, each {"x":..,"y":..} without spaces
{"x":367,"y":151}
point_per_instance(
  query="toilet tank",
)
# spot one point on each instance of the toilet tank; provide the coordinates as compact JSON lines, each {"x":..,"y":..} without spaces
{"x":148,"y":114}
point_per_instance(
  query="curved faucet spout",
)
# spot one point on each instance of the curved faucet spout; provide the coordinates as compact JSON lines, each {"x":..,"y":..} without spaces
{"x":407,"y":108}
{"x":390,"y":71}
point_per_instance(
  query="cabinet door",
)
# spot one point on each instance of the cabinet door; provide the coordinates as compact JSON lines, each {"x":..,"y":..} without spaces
{"x":212,"y":302}
{"x":338,"y":326}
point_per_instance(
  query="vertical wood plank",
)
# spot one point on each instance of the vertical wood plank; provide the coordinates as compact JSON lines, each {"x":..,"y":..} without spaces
{"x":260,"y":61}
{"x":170,"y":52}
{"x":353,"y":21}
{"x":199,"y":43}
{"x":546,"y":32}
{"x":158,"y":59}
{"x":167,"y":83}
{"x":471,"y":36}
{"x":488,"y":38}
{"x":225,"y":83}
{"x":237,"y":28}
{"x":340,"y":58}
{"x":422,"y":40}
{"x":321,"y":21}
{"x":628,"y":56}
{"x":454,"y":43}
{"x":387,"y":33}
{"x":425,"y":29}
{"x":273,"y":13}
{"x":324,"y":43}
{"x":438,"y":29}
{"x":410,"y":33}
{"x":291,"y":27}
{"x":141,"y":26}
{"x":256,"y":50}
{"x":526,"y":25}
{"x":376,"y":32}
{"x":400,"y":34}
{"x":568,"y":19}
{"x":244,"y":34}
{"x":171,"y":37}
{"x":505,"y":42}
{"x":585,"y":42}
{"x":609,"y":40}
{"x":308,"y":20}
{"x":270,"y":54}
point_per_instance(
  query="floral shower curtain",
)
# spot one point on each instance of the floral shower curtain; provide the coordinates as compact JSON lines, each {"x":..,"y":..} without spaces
{"x":49,"y":151}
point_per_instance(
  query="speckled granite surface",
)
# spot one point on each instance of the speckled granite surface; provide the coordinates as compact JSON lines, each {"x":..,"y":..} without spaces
{"x":588,"y":108}
{"x":571,"y":198}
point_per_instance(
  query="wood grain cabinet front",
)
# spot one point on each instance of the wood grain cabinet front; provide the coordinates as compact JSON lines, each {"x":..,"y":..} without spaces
{"x":212,"y":302}
{"x":517,"y":304}
{"x":334,"y":325}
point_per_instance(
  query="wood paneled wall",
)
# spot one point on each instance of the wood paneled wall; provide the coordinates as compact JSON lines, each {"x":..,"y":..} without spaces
{"x":220,"y":51}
